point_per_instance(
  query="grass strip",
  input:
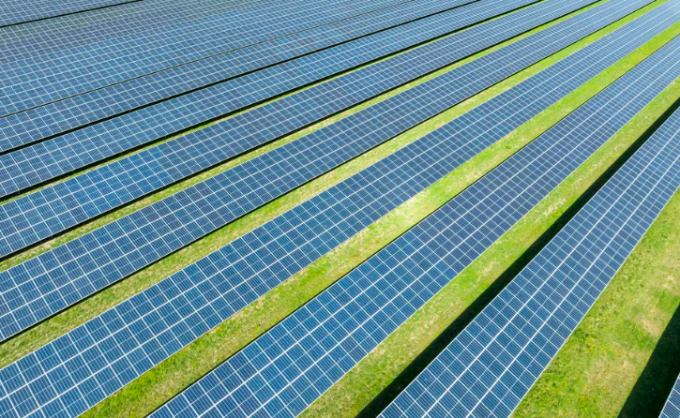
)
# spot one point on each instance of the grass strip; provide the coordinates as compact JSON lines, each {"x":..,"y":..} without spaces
{"x":80,"y":313}
{"x":164,"y":381}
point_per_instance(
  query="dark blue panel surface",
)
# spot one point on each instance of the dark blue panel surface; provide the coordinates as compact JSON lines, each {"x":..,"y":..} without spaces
{"x":42,"y":79}
{"x":672,"y":407}
{"x":16,"y":12}
{"x":39,"y":38}
{"x":59,"y":117}
{"x":44,"y":161}
{"x":54,"y":209}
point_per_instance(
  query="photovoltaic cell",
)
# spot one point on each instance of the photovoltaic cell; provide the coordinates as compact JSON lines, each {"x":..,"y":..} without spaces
{"x":12,"y":13}
{"x":54,"y":209}
{"x":59,"y":117}
{"x":41,"y":162}
{"x":290,"y":366}
{"x":42,"y":79}
{"x":38,"y":38}
{"x":672,"y":407}
{"x":492,"y":364}
{"x":153,"y":325}
{"x":56,"y":279}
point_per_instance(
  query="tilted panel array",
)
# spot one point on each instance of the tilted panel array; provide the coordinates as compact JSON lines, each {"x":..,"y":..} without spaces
{"x":57,"y":208}
{"x":44,"y":161}
{"x":672,"y":407}
{"x":291,"y":365}
{"x":492,"y":364}
{"x":35,"y":81}
{"x":24,"y":128}
{"x":13,"y":12}
{"x":141,"y":332}
{"x":58,"y":278}
{"x":33,"y":39}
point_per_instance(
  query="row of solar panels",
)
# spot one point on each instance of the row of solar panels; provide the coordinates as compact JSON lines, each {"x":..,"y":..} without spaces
{"x":25,"y":128}
{"x":17,"y":12}
{"x":78,"y":370}
{"x":306,"y":233}
{"x":58,"y":278}
{"x":40,"y":79}
{"x":119,"y":241}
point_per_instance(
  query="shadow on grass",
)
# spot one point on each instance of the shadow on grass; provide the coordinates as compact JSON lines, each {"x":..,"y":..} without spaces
{"x":656,"y":381}
{"x":668,"y":352}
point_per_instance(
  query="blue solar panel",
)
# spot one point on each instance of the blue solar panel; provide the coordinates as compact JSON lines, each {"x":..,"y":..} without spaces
{"x":54,"y":209}
{"x":65,"y":115}
{"x":41,"y":162}
{"x":12,"y":13}
{"x":672,"y":407}
{"x":76,"y":269}
{"x":39,"y":80}
{"x":33,"y":39}
{"x":291,"y":365}
{"x":206,"y":293}
{"x":492,"y":364}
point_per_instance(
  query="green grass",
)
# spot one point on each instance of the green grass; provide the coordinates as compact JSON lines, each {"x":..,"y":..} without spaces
{"x":95,"y":305}
{"x":162,"y":382}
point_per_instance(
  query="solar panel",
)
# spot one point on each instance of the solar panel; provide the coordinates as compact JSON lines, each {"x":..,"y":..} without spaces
{"x":13,"y":13}
{"x":492,"y":364}
{"x":133,"y":338}
{"x":120,"y":248}
{"x":59,"y":117}
{"x":39,"y":80}
{"x":215,"y":144}
{"x":80,"y":267}
{"x":290,"y":366}
{"x":32,"y":39}
{"x":29,"y":166}
{"x":672,"y":407}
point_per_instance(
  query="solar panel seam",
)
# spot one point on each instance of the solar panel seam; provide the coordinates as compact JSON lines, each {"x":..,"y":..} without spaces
{"x":350,"y":186}
{"x":30,"y":126}
{"x":75,"y":193}
{"x":435,"y":225}
{"x":22,"y":16}
{"x":28,"y":167}
{"x":182,"y":201}
{"x":38,"y":80}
